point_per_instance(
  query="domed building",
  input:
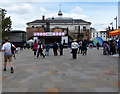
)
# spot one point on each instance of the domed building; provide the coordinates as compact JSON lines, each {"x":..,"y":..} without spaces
{"x":58,"y":29}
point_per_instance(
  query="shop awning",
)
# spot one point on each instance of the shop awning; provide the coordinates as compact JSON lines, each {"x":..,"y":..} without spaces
{"x":115,"y":32}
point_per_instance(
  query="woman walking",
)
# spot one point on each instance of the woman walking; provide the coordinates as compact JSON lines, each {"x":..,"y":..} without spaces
{"x":35,"y":47}
{"x":74,"y":47}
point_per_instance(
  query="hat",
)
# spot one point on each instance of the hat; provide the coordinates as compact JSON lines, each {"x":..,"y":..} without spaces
{"x":75,"y":40}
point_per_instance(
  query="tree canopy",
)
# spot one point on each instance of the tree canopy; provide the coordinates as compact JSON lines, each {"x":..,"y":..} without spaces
{"x":5,"y":23}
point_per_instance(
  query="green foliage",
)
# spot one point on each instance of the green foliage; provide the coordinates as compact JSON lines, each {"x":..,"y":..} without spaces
{"x":5,"y":23}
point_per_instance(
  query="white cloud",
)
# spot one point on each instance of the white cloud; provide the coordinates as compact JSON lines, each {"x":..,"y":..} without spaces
{"x":22,"y":12}
{"x":43,"y":10}
{"x":100,"y":26}
{"x":68,"y":0}
{"x":47,"y":13}
{"x":77,"y":9}
{"x":6,"y":3}
{"x":75,"y":15}
{"x":23,"y":8}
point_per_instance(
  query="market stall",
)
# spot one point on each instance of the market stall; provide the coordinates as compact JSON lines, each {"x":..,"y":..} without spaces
{"x":115,"y":32}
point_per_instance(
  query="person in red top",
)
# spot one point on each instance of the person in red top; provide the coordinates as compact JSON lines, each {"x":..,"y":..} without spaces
{"x":35,"y":47}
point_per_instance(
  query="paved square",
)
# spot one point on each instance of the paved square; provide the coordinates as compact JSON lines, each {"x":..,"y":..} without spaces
{"x":92,"y":73}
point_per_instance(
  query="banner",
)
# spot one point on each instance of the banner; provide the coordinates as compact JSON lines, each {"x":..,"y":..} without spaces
{"x":49,"y":34}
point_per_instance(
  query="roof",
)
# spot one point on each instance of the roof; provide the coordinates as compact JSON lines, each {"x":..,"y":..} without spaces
{"x":17,"y":31}
{"x":59,"y":20}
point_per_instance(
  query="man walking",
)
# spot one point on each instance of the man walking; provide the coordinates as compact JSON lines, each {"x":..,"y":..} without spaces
{"x":6,"y":48}
{"x":40,"y":49}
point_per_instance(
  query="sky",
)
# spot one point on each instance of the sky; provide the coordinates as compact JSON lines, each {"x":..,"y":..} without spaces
{"x":99,"y":13}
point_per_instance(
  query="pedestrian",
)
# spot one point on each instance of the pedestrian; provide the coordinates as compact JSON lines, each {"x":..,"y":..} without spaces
{"x":114,"y":47}
{"x":97,"y":45}
{"x":80,"y":47}
{"x":21,"y":46}
{"x":119,"y":47}
{"x":47,"y":49}
{"x":74,"y":47}
{"x":13,"y":50}
{"x":35,"y":47}
{"x":55,"y":48}
{"x":24,"y":45}
{"x":105,"y":49}
{"x":6,"y":48}
{"x":40,"y":49}
{"x":61,"y":46}
{"x":111,"y":47}
{"x":84,"y":47}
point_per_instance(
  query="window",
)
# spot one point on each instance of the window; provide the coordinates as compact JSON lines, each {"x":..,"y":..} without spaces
{"x":78,"y":28}
{"x":75,"y":27}
{"x":84,"y":28}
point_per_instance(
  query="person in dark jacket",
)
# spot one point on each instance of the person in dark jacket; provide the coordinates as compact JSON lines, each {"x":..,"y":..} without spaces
{"x":84,"y":47}
{"x":61,"y":46}
{"x":119,"y":47}
{"x":47,"y":49}
{"x":40,"y":49}
{"x":55,"y":48}
{"x":97,"y":45}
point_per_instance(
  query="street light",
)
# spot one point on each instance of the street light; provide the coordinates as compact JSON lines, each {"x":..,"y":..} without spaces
{"x":112,"y":25}
{"x":116,"y":21}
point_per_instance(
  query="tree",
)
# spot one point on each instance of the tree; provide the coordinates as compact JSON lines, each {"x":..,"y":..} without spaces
{"x":5,"y":23}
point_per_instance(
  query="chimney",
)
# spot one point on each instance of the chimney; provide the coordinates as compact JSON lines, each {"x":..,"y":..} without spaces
{"x":43,"y":18}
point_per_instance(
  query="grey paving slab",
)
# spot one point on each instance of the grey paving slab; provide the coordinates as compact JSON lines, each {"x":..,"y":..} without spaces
{"x":105,"y":90}
{"x":92,"y":73}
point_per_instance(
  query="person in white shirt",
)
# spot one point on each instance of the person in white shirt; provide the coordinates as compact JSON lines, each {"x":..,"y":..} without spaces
{"x":74,"y":47}
{"x":6,"y":48}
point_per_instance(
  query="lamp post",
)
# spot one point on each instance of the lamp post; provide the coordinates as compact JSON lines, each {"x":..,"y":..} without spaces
{"x":112,"y":25}
{"x":116,"y":21}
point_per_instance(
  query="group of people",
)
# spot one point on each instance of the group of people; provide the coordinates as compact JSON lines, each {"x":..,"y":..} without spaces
{"x":112,"y":47}
{"x":38,"y":48}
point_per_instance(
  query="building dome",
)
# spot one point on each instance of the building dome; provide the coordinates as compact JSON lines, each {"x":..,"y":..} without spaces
{"x":60,"y":18}
{"x":60,"y":13}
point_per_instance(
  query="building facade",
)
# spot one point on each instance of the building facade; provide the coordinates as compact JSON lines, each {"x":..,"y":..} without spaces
{"x":102,"y":34}
{"x":72,"y":28}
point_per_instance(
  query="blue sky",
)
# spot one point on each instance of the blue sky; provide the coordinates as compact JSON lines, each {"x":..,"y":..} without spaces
{"x":100,"y":14}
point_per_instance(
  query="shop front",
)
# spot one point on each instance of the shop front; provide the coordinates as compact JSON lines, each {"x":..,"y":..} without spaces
{"x":51,"y":37}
